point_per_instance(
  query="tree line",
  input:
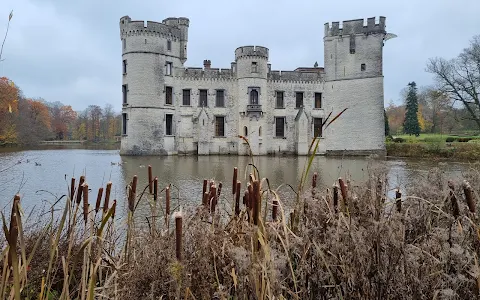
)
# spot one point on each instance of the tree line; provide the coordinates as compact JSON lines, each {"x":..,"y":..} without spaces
{"x":451,"y":105}
{"x":26,"y":121}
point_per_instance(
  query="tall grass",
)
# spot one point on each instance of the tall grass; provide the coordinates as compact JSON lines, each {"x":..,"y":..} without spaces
{"x":345,"y":241}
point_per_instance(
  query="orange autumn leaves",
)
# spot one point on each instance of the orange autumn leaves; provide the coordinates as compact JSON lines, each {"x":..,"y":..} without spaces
{"x":8,"y":95}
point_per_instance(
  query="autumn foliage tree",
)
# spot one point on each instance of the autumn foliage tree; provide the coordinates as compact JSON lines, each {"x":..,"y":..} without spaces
{"x":9,"y":93}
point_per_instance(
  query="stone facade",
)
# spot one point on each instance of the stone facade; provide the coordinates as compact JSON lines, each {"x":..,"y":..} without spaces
{"x":172,"y":109}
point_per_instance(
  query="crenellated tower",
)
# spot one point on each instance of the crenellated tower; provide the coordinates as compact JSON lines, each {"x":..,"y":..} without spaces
{"x":151,"y":52}
{"x":353,"y":58}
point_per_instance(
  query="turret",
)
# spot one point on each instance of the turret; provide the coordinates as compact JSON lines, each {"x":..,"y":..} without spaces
{"x":353,"y":49}
{"x":251,"y":62}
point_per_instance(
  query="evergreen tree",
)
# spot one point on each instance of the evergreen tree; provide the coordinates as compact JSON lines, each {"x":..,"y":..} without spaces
{"x":387,"y":126}
{"x":410,"y":124}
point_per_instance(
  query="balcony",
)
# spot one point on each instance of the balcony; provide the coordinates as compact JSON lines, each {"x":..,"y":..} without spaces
{"x":254,"y":108}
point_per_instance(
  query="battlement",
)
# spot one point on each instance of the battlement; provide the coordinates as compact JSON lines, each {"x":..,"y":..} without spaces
{"x":168,"y":27}
{"x":206,"y":73}
{"x":251,"y":51}
{"x":295,"y":76}
{"x":357,"y":26}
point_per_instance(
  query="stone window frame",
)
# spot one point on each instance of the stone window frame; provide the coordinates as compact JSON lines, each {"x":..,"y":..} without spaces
{"x":189,"y":97}
{"x":257,"y":89}
{"x":168,"y":68}
{"x":125,"y":94}
{"x":124,"y":67}
{"x":254,"y":67}
{"x":276,"y":99}
{"x":216,"y":97}
{"x":171,"y":95}
{"x":315,"y":100}
{"x":124,"y":124}
{"x":363,"y":67}
{"x":296,"y":100}
{"x":317,"y":126}
{"x":200,"y":98}
{"x":284,"y":118}
{"x":169,"y":45}
{"x":216,"y":123}
{"x":172,"y":130}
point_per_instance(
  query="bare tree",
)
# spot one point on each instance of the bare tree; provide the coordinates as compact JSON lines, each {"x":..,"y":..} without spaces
{"x":459,"y":78}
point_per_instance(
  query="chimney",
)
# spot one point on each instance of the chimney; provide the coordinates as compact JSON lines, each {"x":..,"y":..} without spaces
{"x":207,"y":63}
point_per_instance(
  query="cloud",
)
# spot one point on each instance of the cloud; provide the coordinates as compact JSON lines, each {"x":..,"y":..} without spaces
{"x":70,"y":51}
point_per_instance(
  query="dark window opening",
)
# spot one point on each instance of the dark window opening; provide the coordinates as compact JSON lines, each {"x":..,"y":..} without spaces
{"x":318,"y":100}
{"x":168,"y":68}
{"x":253,"y":97}
{"x":124,"y":93}
{"x":168,"y":95}
{"x":352,"y":44}
{"x":169,"y":124}
{"x":363,"y":67}
{"x":254,"y":67}
{"x":124,"y":123}
{"x":186,"y":97}
{"x":279,"y":103}
{"x":317,"y":127}
{"x":260,"y":131}
{"x":280,"y":126}
{"x":220,"y":98}
{"x":169,"y":45}
{"x":245,"y":131}
{"x":298,"y":99}
{"x":203,"y":98}
{"x":124,"y":66}
{"x":219,"y":126}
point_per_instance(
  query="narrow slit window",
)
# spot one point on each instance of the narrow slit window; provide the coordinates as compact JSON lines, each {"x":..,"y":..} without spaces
{"x":124,"y":123}
{"x":168,"y":68}
{"x":169,"y":45}
{"x":169,"y":124}
{"x":280,"y":126}
{"x":318,"y":100}
{"x":169,"y":95}
{"x":124,"y":93}
{"x":363,"y":67}
{"x":186,"y":97}
{"x":220,"y":126}
{"x":279,"y":102}
{"x":124,"y":66}
{"x":254,"y":67}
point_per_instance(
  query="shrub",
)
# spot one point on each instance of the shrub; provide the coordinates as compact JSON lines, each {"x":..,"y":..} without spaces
{"x":399,"y":140}
{"x":450,"y":139}
{"x":464,"y":140}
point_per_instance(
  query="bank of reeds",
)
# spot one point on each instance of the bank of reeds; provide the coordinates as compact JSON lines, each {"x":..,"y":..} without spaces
{"x":344,"y":241}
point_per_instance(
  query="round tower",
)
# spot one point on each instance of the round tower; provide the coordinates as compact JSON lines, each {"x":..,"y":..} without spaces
{"x":150,"y":53}
{"x":251,"y":71}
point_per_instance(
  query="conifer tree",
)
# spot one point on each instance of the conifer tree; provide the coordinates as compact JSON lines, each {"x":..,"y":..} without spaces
{"x":410,"y":124}
{"x":387,"y":126}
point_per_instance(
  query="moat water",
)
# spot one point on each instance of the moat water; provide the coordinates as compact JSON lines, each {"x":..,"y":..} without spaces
{"x":42,"y":176}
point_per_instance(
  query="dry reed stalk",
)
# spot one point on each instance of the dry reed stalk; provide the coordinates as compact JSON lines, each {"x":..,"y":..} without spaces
{"x":178,"y":235}
{"x":335,"y":197}
{"x":246,"y":198}
{"x":114,"y":208}
{"x":250,"y":195}
{"x":72,"y":188}
{"x":237,"y":196}
{"x":80,"y":189}
{"x":213,"y":198}
{"x":343,"y":190}
{"x":257,"y":203}
{"x":455,"y":206}
{"x":107,"y":197}
{"x":234,"y":181}
{"x":451,"y":185}
{"x":219,"y":189}
{"x":167,"y":201}
{"x":274,"y":210}
{"x":205,"y":183}
{"x":133,"y":193}
{"x":99,"y":200}
{"x":250,"y":178}
{"x":398,"y":200}
{"x":13,"y":231}
{"x":85,"y":202}
{"x":467,"y":190}
{"x":150,"y":180}
{"x":155,"y":189}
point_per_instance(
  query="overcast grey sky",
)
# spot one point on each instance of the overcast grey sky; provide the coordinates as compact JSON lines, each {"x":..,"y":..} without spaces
{"x":70,"y":51}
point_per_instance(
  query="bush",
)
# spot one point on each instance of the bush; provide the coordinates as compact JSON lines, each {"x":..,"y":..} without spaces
{"x":399,"y":140}
{"x":464,"y":140}
{"x":450,"y":139}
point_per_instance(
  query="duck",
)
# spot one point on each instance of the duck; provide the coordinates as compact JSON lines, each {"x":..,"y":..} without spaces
{"x":38,"y":164}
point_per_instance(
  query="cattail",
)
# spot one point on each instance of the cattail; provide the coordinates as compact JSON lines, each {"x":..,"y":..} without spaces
{"x":99,"y":200}
{"x":467,"y":189}
{"x":213,"y":198}
{"x":250,"y":196}
{"x":132,"y":194}
{"x":219,"y":190}
{"x":167,"y":200}
{"x":250,"y":176}
{"x":85,"y":202}
{"x":114,"y":207}
{"x":455,"y":207}
{"x":12,"y":239}
{"x":314,"y":180}
{"x":274,"y":210}
{"x":343,"y":189}
{"x":335,"y":197}
{"x":398,"y":198}
{"x":205,"y":183}
{"x":107,"y":197}
{"x":205,"y":199}
{"x":178,"y":235}
{"x":72,"y":189}
{"x":155,"y":189}
{"x":451,"y":185}
{"x":150,"y":179}
{"x":234,"y":182}
{"x":80,"y":189}
{"x":237,"y":197}
{"x":257,"y":204}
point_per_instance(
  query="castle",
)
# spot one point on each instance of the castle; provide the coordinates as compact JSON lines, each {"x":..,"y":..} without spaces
{"x":172,"y":109}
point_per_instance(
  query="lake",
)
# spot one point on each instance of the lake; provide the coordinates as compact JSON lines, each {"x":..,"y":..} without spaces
{"x":41,"y":176}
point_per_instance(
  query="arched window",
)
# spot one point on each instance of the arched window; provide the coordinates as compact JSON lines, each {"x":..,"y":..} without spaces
{"x":253,"y":97}
{"x":245,"y":131}
{"x":260,"y":131}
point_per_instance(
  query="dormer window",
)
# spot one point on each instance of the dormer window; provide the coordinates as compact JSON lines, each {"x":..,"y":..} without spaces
{"x":254,"y":67}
